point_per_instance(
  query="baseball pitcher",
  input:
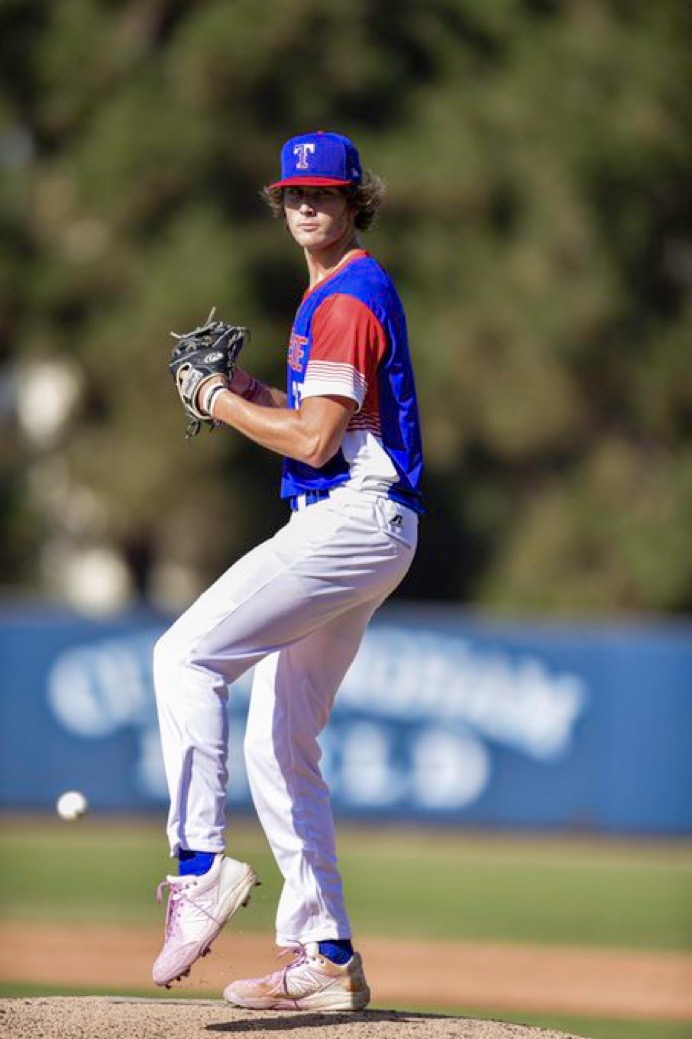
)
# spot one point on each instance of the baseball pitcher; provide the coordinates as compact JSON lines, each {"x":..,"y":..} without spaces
{"x":295,"y":608}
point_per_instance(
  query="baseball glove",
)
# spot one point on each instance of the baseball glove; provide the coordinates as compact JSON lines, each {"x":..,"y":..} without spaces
{"x":212,"y":349}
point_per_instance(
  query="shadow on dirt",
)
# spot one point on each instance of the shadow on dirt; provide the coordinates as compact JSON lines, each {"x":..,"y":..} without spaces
{"x":292,"y":1021}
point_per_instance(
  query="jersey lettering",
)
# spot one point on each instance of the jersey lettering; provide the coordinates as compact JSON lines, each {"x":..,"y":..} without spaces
{"x":296,"y":351}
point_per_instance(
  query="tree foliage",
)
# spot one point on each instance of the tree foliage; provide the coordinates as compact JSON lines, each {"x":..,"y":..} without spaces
{"x":538,"y":156}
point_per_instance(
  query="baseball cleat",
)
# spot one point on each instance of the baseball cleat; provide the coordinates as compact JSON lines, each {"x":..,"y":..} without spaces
{"x":311,"y":982}
{"x":198,"y":907}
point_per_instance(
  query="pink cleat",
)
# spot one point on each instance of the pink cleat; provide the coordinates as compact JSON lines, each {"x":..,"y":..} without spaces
{"x":311,"y":982}
{"x":198,"y":907}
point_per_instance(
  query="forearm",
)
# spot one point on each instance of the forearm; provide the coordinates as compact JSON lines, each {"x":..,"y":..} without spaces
{"x":276,"y":428}
{"x":311,"y":434}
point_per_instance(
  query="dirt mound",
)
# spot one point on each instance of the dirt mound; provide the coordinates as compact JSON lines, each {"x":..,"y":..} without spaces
{"x":109,"y":1016}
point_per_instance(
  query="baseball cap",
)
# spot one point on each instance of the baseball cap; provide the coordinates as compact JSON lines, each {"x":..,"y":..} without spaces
{"x":322,"y":159}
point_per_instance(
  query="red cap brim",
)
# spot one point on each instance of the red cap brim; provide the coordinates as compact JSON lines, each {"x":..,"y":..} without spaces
{"x":315,"y":182}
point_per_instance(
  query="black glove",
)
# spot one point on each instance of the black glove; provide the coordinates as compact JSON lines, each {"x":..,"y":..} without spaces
{"x":199,"y":355}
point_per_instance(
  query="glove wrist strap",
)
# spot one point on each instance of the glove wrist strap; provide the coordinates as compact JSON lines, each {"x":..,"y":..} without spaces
{"x":209,"y":396}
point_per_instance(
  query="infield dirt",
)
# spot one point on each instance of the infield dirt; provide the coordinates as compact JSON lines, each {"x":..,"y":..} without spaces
{"x":99,"y":1016}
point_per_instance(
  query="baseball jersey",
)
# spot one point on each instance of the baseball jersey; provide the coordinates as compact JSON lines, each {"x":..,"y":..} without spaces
{"x":349,"y":339}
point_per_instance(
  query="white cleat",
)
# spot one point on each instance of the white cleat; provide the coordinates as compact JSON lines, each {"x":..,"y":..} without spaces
{"x":198,"y":907}
{"x":311,"y":982}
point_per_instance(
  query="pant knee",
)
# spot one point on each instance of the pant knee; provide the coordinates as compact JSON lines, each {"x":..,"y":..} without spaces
{"x":168,"y":663}
{"x":178,"y":670}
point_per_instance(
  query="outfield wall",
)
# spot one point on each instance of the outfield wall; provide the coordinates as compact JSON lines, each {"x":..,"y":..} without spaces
{"x":443,"y":717}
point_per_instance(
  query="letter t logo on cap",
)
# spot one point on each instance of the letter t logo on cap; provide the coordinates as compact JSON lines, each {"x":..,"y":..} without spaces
{"x":302,"y":151}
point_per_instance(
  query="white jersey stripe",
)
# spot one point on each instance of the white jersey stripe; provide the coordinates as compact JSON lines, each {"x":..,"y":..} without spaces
{"x":322,"y":377}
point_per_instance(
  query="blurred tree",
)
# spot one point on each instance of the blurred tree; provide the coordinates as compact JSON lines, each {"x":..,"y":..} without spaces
{"x":539,"y":224}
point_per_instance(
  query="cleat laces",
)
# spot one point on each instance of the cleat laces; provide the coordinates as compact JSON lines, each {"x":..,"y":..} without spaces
{"x":178,"y":898}
{"x":292,"y":983}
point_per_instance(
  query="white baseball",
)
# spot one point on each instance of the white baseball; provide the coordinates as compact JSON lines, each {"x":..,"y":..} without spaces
{"x":71,"y":805}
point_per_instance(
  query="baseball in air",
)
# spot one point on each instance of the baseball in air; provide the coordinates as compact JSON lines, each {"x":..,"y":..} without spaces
{"x":71,"y":805}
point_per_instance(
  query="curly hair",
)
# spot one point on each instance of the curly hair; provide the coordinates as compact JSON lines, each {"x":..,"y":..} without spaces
{"x":365,"y":198}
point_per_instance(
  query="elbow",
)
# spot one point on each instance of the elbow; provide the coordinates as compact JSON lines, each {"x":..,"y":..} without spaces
{"x":319,"y":457}
{"x":318,"y":452}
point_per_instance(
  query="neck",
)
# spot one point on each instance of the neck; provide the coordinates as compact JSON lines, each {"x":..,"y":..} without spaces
{"x":323,"y":262}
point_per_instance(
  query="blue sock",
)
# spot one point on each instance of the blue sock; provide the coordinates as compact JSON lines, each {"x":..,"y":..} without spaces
{"x":195,"y":863}
{"x":338,"y":950}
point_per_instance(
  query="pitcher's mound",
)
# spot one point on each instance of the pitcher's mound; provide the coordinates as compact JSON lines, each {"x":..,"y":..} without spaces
{"x":108,"y":1017}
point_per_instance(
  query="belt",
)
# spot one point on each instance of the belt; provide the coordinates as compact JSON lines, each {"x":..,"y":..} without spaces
{"x":301,"y":501}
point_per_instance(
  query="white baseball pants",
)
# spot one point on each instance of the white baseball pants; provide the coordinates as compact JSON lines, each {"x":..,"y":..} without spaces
{"x":296,"y":607}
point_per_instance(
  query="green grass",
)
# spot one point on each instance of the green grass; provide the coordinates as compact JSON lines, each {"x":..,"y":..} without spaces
{"x":104,"y":871}
{"x":410,"y":883}
{"x":518,"y":889}
{"x":26,"y":990}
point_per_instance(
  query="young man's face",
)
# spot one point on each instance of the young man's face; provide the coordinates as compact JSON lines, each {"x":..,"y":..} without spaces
{"x":318,"y":218}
